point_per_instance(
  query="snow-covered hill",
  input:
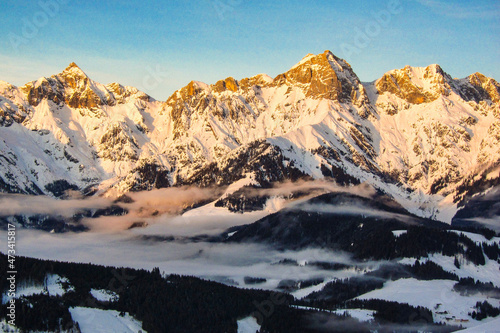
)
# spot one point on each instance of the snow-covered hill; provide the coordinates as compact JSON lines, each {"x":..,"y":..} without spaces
{"x":416,"y":133}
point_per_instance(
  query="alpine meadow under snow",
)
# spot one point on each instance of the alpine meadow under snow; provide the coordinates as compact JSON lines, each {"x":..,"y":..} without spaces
{"x":308,"y":202}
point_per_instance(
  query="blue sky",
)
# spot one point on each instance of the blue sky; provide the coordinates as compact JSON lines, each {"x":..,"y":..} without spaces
{"x":159,"y":46}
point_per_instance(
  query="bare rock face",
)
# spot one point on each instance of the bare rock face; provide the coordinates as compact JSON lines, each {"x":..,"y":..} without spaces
{"x":11,"y":110}
{"x":259,"y":158}
{"x":418,"y":86}
{"x":258,"y":81}
{"x":316,"y":75}
{"x":181,"y":104}
{"x":324,"y":76}
{"x":74,"y":88}
{"x":44,"y":88}
{"x":228,"y":84}
{"x":484,"y":88}
{"x":70,"y":87}
{"x":81,"y":94}
{"x":402,"y":83}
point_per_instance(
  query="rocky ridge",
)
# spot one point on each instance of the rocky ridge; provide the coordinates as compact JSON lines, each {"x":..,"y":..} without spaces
{"x":416,"y":133}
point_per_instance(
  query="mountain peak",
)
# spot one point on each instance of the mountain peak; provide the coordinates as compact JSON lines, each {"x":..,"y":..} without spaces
{"x":485,"y":86}
{"x":327,"y":59}
{"x":331,"y":56}
{"x":416,"y":85}
{"x":322,"y":76}
{"x":420,"y":72}
{"x":73,"y":64}
{"x":72,"y":86}
{"x":304,"y":60}
{"x":435,"y":68}
{"x":74,"y":70}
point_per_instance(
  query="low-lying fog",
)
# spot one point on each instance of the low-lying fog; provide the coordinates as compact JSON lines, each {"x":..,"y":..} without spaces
{"x":109,"y":240}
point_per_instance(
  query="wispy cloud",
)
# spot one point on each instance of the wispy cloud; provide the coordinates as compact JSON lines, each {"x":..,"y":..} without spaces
{"x":208,"y":260}
{"x":19,"y":204}
{"x":471,"y":10}
{"x":354,"y":209}
{"x":162,"y":209}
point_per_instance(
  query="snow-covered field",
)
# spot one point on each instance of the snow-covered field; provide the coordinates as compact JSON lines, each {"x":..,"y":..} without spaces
{"x":489,"y":272}
{"x":54,"y":285}
{"x":6,"y":327}
{"x":103,"y":295}
{"x":301,"y":293}
{"x":488,"y":325}
{"x":437,"y":295}
{"x":25,"y":291}
{"x":398,"y":233}
{"x":479,"y":239}
{"x":359,"y":314}
{"x":248,"y":325}
{"x":104,"y":321}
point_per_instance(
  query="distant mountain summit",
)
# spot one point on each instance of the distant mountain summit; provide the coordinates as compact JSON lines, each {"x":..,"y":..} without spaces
{"x":417,"y":134}
{"x":75,"y":89}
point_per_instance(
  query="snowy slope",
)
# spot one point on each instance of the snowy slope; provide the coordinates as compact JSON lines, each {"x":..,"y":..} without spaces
{"x":489,"y":326}
{"x":104,"y":295}
{"x":437,"y":295}
{"x":248,"y":325}
{"x":102,"y":321}
{"x":485,"y":273}
{"x":54,"y":285}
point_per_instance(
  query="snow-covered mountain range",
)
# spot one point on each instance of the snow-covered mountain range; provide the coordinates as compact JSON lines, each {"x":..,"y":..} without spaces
{"x":417,"y":134}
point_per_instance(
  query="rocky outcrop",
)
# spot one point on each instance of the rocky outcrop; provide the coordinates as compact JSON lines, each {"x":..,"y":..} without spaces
{"x":117,"y":145}
{"x":404,"y":84}
{"x":74,"y":88}
{"x":228,"y":84}
{"x":324,"y":76}
{"x":481,"y":88}
{"x":260,"y":159}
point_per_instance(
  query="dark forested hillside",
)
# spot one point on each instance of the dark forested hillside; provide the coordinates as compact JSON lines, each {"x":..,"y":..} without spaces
{"x":173,"y":303}
{"x":365,"y":231}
